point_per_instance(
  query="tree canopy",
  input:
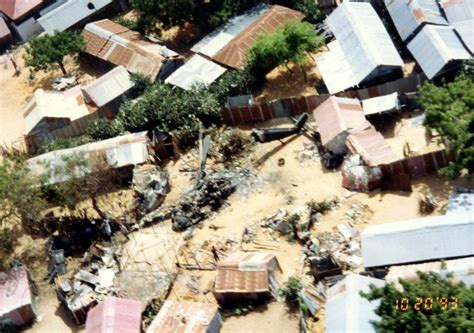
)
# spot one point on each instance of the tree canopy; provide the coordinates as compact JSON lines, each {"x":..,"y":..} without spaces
{"x":20,"y":192}
{"x":44,"y":51}
{"x":430,"y":304}
{"x":449,"y":110}
{"x":289,"y":44}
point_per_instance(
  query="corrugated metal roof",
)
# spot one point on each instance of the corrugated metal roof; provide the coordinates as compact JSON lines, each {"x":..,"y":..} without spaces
{"x":121,"y":46}
{"x":129,"y":149}
{"x":53,"y":104}
{"x":380,"y":104}
{"x":244,"y":272}
{"x":109,"y":86}
{"x":460,"y":14}
{"x":4,"y":31}
{"x":234,"y":54}
{"x":338,"y":114}
{"x":418,"y":240}
{"x":363,"y":39}
{"x":372,"y":147}
{"x":219,"y":38}
{"x":460,"y":203}
{"x":14,"y":290}
{"x":229,"y":44}
{"x":409,"y":15}
{"x":197,"y":70}
{"x":115,"y":314}
{"x":458,"y":10}
{"x":463,"y":270}
{"x":335,"y":69}
{"x":184,"y":317}
{"x":70,"y":13}
{"x":434,"y":47}
{"x":16,"y":9}
{"x":346,"y":310}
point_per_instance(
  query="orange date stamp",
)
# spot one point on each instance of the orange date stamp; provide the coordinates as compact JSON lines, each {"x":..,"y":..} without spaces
{"x":426,"y":303}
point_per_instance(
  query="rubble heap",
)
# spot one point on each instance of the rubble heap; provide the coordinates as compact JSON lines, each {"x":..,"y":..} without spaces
{"x":90,"y":283}
{"x":152,"y":184}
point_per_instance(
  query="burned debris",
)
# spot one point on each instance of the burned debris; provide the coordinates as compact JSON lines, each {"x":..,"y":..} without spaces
{"x":151,"y":184}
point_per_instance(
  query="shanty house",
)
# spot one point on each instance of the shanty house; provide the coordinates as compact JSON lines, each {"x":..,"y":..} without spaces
{"x":16,"y":300}
{"x":185,"y":316}
{"x":336,"y":118}
{"x":121,"y":46}
{"x":247,"y":275}
{"x":227,"y":47}
{"x":436,"y":48}
{"x":5,"y":33}
{"x":19,"y":19}
{"x":418,"y":240}
{"x":372,"y":147}
{"x":118,"y":152}
{"x":362,"y":51}
{"x":74,"y":13}
{"x":462,"y":269}
{"x":46,"y":111}
{"x":460,"y":14}
{"x":115,"y":314}
{"x":347,"y":310}
{"x":109,"y":91}
{"x":410,"y":16}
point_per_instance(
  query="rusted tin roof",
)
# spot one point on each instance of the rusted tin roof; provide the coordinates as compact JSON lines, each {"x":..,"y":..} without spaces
{"x":339,"y":114}
{"x":121,"y":46}
{"x":14,"y":293}
{"x":115,"y":314}
{"x":16,"y":9}
{"x":4,"y":31}
{"x":234,"y":53}
{"x":185,"y":316}
{"x":244,"y":273}
{"x":372,"y":147}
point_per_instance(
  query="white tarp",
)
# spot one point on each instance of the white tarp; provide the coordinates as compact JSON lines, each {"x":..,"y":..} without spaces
{"x":380,"y":104}
{"x":418,"y":240}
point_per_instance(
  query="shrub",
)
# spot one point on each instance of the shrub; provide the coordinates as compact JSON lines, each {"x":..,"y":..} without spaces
{"x":140,"y":84}
{"x":102,"y":129}
{"x":64,"y":143}
{"x":290,"y":290}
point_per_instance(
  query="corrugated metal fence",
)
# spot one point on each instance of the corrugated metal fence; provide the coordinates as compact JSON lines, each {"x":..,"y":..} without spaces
{"x":286,"y":107}
{"x":419,"y":166}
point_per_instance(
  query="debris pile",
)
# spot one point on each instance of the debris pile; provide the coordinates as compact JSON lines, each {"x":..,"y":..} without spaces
{"x":358,"y":177}
{"x":300,"y":220}
{"x":90,"y":283}
{"x":358,"y":213}
{"x":210,"y":195}
{"x":205,"y":256}
{"x":308,"y":152}
{"x":427,"y":203}
{"x":152,"y":184}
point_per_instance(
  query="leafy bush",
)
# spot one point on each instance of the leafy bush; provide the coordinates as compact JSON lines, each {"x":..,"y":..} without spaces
{"x":140,"y":84}
{"x":102,"y":129}
{"x":233,"y":83}
{"x":290,"y":290}
{"x":64,"y":143}
{"x":321,"y":207}
{"x":230,"y":144}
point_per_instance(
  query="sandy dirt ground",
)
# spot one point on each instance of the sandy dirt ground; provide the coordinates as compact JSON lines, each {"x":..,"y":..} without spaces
{"x":289,"y":186}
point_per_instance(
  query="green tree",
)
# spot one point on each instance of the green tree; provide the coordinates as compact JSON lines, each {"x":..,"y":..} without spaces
{"x":409,"y":309}
{"x":102,"y":129}
{"x":20,"y":191}
{"x":449,"y":110}
{"x":290,"y":44}
{"x":44,"y":51}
